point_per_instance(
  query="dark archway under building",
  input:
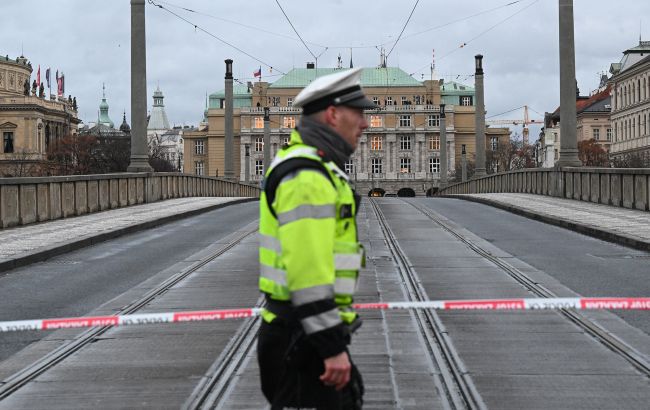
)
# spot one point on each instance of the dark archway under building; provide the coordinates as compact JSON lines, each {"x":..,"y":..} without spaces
{"x":376,"y":192}
{"x":406,"y":192}
{"x":432,"y":191}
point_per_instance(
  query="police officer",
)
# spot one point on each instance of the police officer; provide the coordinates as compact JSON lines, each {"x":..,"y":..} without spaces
{"x":310,"y":255}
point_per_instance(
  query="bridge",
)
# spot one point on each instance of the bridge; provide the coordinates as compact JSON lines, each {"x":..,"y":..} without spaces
{"x":198,"y":253}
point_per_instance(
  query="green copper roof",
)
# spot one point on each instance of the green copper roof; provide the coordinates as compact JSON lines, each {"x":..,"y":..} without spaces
{"x":370,"y":77}
{"x":241,"y":95}
{"x":455,"y":88}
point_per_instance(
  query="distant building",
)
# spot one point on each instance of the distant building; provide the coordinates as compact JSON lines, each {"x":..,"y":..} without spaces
{"x":630,"y":83}
{"x":105,"y":127}
{"x":165,"y":141}
{"x":592,"y":122}
{"x":29,"y":122}
{"x":399,"y":151}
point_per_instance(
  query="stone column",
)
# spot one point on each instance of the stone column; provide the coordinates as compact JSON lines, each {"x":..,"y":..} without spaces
{"x":247,"y":163}
{"x":443,"y":147}
{"x":463,"y":160}
{"x":568,"y":137}
{"x":139,"y":147}
{"x":267,"y":139}
{"x":229,"y":172}
{"x":479,"y":170}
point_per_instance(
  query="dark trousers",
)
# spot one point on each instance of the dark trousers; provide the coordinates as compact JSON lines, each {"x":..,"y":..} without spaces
{"x":290,"y":371}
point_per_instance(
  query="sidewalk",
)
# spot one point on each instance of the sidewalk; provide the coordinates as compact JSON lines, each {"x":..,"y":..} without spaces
{"x":620,"y":225}
{"x":36,"y":242}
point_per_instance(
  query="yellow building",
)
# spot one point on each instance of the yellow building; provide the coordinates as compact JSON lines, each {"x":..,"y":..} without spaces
{"x":29,"y":123}
{"x":399,"y":152}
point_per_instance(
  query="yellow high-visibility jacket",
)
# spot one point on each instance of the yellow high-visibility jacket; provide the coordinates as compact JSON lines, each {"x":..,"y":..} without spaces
{"x":309,"y":252}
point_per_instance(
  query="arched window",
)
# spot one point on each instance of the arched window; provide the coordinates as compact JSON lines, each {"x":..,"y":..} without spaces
{"x":638,"y":91}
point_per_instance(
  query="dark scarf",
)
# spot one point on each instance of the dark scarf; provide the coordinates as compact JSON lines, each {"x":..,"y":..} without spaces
{"x":325,"y":139}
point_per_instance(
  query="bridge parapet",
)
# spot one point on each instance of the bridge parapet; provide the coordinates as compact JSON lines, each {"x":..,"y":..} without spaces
{"x":28,"y":200}
{"x":624,"y":187}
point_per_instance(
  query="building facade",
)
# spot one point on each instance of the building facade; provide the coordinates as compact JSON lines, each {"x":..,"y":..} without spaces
{"x":398,"y":153}
{"x":630,"y":83}
{"x":165,"y":142}
{"x":29,"y":122}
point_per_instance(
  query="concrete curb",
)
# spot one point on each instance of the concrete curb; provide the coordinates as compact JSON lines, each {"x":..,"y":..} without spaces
{"x":600,"y":233}
{"x":65,"y":247}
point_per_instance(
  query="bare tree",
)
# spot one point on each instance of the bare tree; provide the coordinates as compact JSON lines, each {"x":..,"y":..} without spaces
{"x":592,"y":154}
{"x":23,"y":163}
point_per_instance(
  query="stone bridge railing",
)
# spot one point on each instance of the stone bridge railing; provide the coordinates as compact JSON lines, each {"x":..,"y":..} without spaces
{"x":625,"y":187}
{"x":27,"y":200}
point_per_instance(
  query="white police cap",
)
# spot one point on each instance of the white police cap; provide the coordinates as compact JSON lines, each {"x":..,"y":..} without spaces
{"x":341,"y":88}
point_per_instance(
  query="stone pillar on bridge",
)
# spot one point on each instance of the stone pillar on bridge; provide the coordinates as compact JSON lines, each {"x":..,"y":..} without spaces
{"x":229,"y":172}
{"x":463,"y":160}
{"x":568,"y":130}
{"x":267,"y":139}
{"x":139,"y":147}
{"x":479,"y":170}
{"x":443,"y":148}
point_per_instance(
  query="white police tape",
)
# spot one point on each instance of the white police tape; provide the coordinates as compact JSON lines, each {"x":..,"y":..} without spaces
{"x":223,"y":314}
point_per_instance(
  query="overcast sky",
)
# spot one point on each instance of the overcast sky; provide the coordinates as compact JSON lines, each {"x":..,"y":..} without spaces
{"x":89,"y":40}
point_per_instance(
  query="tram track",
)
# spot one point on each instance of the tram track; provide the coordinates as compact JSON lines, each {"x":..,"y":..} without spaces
{"x":19,"y":379}
{"x":456,"y":386}
{"x":601,"y":335}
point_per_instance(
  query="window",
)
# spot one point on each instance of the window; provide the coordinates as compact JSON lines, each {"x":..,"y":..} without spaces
{"x":434,"y":165}
{"x":259,"y":144}
{"x":494,"y":143}
{"x":405,"y":165}
{"x":199,"y":147}
{"x":466,"y":101}
{"x":8,"y":142}
{"x":289,"y":121}
{"x":275,"y":101}
{"x":375,"y":100}
{"x":433,"y":120}
{"x":609,"y":134}
{"x":404,"y":101}
{"x":258,"y":122}
{"x":405,"y":142}
{"x":349,"y":167}
{"x":289,"y":102}
{"x":285,"y":140}
{"x":376,"y":121}
{"x":376,"y":166}
{"x":596,"y":132}
{"x":404,"y":120}
{"x":198,"y":168}
{"x":376,"y":143}
{"x":434,"y":142}
{"x":389,"y":100}
{"x":259,"y":167}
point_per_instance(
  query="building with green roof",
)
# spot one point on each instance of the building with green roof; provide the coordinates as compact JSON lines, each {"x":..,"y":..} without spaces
{"x":398,"y":153}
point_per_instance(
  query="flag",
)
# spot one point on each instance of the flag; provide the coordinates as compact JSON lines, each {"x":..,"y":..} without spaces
{"x":38,"y":76}
{"x":47,"y":77}
{"x":59,"y":84}
{"x":62,"y":84}
{"x":258,"y":73}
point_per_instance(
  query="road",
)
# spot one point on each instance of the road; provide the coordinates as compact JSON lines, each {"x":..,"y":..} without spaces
{"x":78,"y":282}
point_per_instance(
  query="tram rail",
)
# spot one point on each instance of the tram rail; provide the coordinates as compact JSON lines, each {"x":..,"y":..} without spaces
{"x":19,"y":379}
{"x":456,"y":386}
{"x":609,"y":340}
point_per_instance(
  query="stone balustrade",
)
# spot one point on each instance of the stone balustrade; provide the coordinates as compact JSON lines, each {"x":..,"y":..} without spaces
{"x":28,"y":200}
{"x":624,"y":187}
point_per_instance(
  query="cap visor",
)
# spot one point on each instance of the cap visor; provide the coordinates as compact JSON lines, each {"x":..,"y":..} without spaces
{"x":362,"y":102}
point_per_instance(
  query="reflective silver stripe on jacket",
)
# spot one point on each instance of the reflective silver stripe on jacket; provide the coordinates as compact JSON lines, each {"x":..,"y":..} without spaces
{"x":347,"y":261}
{"x":269,"y":242}
{"x":277,"y":275}
{"x":297,"y":152}
{"x":312,"y":294}
{"x":325,"y":320}
{"x":345,"y":286}
{"x":307,"y":211}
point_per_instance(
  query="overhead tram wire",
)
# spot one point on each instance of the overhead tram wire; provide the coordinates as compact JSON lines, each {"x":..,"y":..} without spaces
{"x":403,"y":28}
{"x":298,"y":34}
{"x":197,"y":27}
{"x":200,"y":13}
{"x":481,"y":34}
